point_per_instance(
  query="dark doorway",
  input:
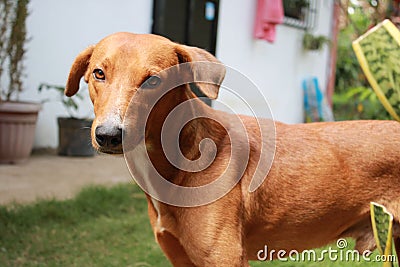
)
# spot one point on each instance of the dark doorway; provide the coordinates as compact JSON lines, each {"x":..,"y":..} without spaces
{"x":190,"y":22}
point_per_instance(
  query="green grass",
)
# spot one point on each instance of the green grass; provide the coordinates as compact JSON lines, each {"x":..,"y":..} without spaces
{"x":99,"y":227}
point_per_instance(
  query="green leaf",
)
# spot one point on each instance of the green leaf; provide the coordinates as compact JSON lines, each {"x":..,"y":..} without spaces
{"x":382,"y":223}
{"x":366,"y":94}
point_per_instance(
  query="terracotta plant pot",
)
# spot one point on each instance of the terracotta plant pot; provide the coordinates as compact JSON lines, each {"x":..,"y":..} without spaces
{"x":17,"y":130}
{"x":74,"y":137}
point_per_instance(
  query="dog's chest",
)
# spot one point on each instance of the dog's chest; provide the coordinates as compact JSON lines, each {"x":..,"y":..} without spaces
{"x":142,"y":167}
{"x":158,"y":228}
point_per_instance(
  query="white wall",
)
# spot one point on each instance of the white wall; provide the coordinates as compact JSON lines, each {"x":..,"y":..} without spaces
{"x":279,"y":68}
{"x":61,"y":29}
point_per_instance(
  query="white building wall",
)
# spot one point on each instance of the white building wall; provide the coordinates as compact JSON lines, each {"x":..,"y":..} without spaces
{"x":61,"y":29}
{"x":279,"y":68}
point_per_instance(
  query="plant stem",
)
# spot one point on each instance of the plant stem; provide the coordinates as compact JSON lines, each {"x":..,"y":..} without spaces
{"x":16,"y":48}
{"x":5,"y":15}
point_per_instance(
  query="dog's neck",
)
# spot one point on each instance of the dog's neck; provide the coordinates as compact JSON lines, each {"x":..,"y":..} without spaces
{"x":189,"y":137}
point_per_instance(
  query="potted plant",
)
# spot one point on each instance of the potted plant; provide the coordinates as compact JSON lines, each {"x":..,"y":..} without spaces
{"x":314,"y":42}
{"x":17,"y":119}
{"x":73,"y":133}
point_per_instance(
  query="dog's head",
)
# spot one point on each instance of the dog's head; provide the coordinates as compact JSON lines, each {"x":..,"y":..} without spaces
{"x":118,"y":66}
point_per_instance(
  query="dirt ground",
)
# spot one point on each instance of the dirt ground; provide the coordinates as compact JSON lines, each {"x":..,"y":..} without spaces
{"x":46,"y":175}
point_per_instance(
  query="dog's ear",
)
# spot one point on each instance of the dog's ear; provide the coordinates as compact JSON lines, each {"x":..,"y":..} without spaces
{"x":203,"y":71}
{"x":78,"y":69}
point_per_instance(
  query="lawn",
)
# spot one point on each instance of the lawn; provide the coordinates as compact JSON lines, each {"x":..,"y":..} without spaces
{"x":99,"y":227}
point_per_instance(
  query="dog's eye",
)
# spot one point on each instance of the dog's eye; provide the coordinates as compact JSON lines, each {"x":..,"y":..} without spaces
{"x":151,"y":82}
{"x":99,"y":75}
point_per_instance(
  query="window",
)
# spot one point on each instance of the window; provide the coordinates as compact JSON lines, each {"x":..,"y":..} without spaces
{"x":300,"y":13}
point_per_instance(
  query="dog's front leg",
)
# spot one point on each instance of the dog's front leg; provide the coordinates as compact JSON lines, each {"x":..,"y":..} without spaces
{"x":211,"y":246}
{"x":225,"y":251}
{"x":207,"y":243}
{"x":228,"y":251}
{"x":213,"y":234}
{"x":228,"y":255}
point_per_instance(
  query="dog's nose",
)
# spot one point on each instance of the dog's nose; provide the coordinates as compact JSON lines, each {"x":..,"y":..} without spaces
{"x":108,"y":136}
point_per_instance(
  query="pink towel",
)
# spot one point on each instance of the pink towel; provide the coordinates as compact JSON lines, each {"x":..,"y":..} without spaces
{"x":269,"y":14}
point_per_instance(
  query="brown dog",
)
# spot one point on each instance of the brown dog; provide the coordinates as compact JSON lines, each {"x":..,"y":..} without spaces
{"x":323,"y":177}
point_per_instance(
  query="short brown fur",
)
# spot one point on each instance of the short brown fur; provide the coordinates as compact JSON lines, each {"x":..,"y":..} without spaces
{"x":323,"y":177}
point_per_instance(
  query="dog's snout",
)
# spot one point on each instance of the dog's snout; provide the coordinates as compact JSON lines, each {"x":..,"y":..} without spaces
{"x":108,"y":136}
